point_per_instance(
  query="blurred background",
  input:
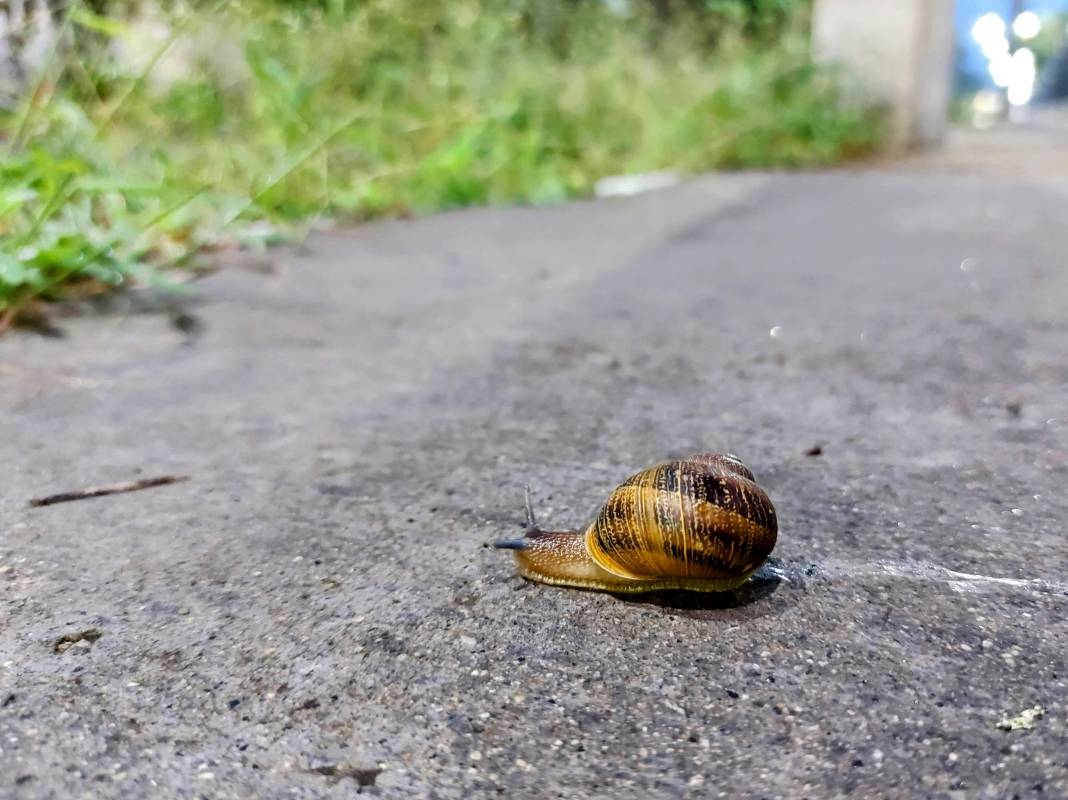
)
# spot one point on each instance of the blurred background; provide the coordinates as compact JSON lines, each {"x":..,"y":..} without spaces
{"x":1010,"y":56}
{"x":139,"y":135}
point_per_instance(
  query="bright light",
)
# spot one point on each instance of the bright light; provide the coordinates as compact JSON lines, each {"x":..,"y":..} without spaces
{"x":1001,"y":69}
{"x":989,"y":32}
{"x":1020,"y":95}
{"x":1025,"y":57}
{"x":1027,"y":25}
{"x":995,"y":47}
{"x":987,"y":27}
{"x":1012,"y":71}
{"x":1021,"y":77}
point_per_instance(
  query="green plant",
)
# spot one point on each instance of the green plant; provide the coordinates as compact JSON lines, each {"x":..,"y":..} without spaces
{"x":265,"y":112}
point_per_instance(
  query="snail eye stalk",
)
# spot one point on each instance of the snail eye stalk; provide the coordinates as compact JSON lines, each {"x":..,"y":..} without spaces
{"x":530,"y":527}
{"x":531,"y":523}
{"x":511,"y":544}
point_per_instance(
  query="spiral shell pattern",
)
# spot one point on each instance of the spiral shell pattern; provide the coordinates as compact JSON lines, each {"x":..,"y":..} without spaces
{"x":702,"y":518}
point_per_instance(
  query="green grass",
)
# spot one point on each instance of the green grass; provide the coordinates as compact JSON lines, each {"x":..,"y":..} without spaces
{"x":281,"y":114}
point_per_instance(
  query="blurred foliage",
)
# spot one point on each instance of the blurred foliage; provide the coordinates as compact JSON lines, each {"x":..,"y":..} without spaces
{"x":1051,"y":38}
{"x":153,"y":137}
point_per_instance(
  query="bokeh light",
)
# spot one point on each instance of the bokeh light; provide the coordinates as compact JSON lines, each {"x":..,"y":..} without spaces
{"x":989,"y":33}
{"x":1027,"y":25}
{"x":1022,"y":72}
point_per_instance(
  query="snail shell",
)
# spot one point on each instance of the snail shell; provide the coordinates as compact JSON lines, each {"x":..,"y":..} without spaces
{"x":700,"y":523}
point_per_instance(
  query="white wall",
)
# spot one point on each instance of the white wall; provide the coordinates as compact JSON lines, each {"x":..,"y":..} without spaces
{"x":899,"y":50}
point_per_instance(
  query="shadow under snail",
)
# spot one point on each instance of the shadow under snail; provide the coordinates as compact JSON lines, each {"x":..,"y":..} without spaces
{"x":700,"y":523}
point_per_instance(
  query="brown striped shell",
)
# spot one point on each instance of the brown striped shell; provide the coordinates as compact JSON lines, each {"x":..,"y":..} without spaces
{"x":703,"y":517}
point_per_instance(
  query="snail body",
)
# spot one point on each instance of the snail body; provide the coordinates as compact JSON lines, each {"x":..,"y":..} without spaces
{"x":701,"y":523}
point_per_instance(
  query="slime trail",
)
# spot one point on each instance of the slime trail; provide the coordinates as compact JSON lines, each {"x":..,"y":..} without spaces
{"x":832,"y":570}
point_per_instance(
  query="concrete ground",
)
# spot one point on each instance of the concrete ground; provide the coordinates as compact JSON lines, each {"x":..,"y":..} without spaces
{"x":318,"y":613}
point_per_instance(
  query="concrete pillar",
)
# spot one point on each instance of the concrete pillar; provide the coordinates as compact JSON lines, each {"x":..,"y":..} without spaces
{"x":900,"y":51}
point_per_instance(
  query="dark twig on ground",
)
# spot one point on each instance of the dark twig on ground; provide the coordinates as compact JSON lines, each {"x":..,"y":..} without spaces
{"x":101,"y":491}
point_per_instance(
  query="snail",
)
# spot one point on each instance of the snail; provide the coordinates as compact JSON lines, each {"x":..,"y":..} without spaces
{"x":700,"y":523}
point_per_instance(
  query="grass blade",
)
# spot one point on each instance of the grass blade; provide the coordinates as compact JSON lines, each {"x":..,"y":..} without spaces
{"x":32,"y":99}
{"x":177,"y":32}
{"x":307,"y":155}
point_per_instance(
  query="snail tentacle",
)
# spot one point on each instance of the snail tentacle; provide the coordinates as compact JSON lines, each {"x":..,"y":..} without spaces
{"x":530,"y":526}
{"x":531,"y":522}
{"x":510,"y":544}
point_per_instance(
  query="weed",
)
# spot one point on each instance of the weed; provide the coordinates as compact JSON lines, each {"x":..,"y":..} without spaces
{"x":118,"y":165}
